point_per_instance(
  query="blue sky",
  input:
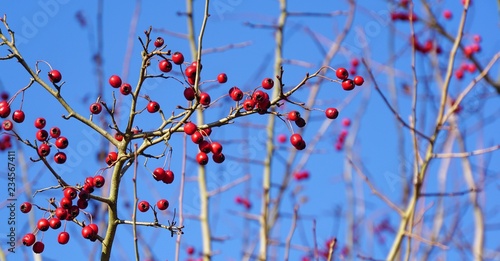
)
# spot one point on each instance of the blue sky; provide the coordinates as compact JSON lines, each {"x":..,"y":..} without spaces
{"x":48,"y":30}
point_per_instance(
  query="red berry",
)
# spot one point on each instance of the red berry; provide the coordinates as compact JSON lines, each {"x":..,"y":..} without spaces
{"x":346,"y":122}
{"x":205,"y":146}
{"x":165,"y":65}
{"x":42,"y":135}
{"x":222,"y":78}
{"x":62,"y":142}
{"x":118,"y":136}
{"x":61,"y":213}
{"x":447,"y":14}
{"x":115,"y":81}
{"x":83,"y":194}
{"x":125,"y":89}
{"x":197,"y":137}
{"x":4,"y":109}
{"x":55,"y":132}
{"x":143,"y":206}
{"x":207,"y":131}
{"x":159,"y":174}
{"x":190,"y":128}
{"x":178,"y":58}
{"x":26,"y":207}
{"x":358,"y":80}
{"x":7,"y":125}
{"x":296,"y":139}
{"x":40,"y":123}
{"x":153,"y":107}
{"x":300,"y":122}
{"x":88,"y":232}
{"x":218,"y":158}
{"x":18,"y":116}
{"x":44,"y":150}
{"x":112,"y":157}
{"x":55,"y":76}
{"x":162,"y":204}
{"x":332,"y":113}
{"x":347,"y":84}
{"x":63,"y":238}
{"x":235,"y":93}
{"x":43,"y":224}
{"x":95,"y":108}
{"x":190,"y":250}
{"x":159,"y":42}
{"x":73,"y":212}
{"x":95,"y":228}
{"x":70,"y":192}
{"x":216,"y":147}
{"x":169,"y":177}
{"x":293,"y":115}
{"x":190,"y":71}
{"x":54,"y":223}
{"x":248,"y":104}
{"x":355,"y":62}
{"x":281,"y":138}
{"x":29,"y":239}
{"x":4,"y":96}
{"x":60,"y":157}
{"x":342,"y":73}
{"x":205,"y":99}
{"x":259,"y":96}
{"x":66,"y":203}
{"x":202,"y":158}
{"x":99,"y":181}
{"x":82,"y":203}
{"x":189,"y":94}
{"x":267,"y":83}
{"x":38,"y":247}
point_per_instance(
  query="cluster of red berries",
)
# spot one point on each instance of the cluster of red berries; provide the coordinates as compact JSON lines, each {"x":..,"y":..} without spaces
{"x":65,"y":211}
{"x":205,"y":146}
{"x":301,"y":175}
{"x":474,"y":47}
{"x":243,"y":201}
{"x":258,"y":100}
{"x":348,"y":84}
{"x":160,"y":174}
{"x":343,"y":134}
{"x":403,"y":16}
{"x":144,"y":206}
{"x":426,"y":47}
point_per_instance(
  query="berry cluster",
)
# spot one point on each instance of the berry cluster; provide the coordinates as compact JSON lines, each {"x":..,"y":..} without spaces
{"x":65,"y":211}
{"x":144,"y":205}
{"x":243,"y":201}
{"x":343,"y":134}
{"x":301,"y":175}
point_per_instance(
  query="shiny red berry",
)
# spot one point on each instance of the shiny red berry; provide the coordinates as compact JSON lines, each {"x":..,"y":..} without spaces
{"x":95,"y":108}
{"x":66,"y":203}
{"x":70,"y":193}
{"x":43,"y":224}
{"x":218,"y":158}
{"x":61,"y":213}
{"x":190,"y":128}
{"x":143,"y":206}
{"x":88,"y":232}
{"x":125,"y":89}
{"x":29,"y":239}
{"x":342,"y":73}
{"x":205,"y":99}
{"x":178,"y":58}
{"x":162,"y":204}
{"x":248,"y":104}
{"x":55,"y":76}
{"x":60,"y":157}
{"x":42,"y":135}
{"x":197,"y":137}
{"x":293,"y":115}
{"x":159,"y":42}
{"x":115,"y":81}
{"x":40,"y":123}
{"x":55,"y":132}
{"x":216,"y":147}
{"x":63,"y":238}
{"x":55,"y":223}
{"x":18,"y":116}
{"x":165,"y":65}
{"x":358,"y":80}
{"x":267,"y":83}
{"x":222,"y":78}
{"x":26,"y":207}
{"x":236,"y":94}
{"x":153,"y":107}
{"x":169,"y":177}
{"x":202,"y":158}
{"x":347,"y":84}
{"x":94,"y":227}
{"x":4,"y":109}
{"x":62,"y":142}
{"x":99,"y":181}
{"x":205,"y":146}
{"x":44,"y":150}
{"x":331,"y":113}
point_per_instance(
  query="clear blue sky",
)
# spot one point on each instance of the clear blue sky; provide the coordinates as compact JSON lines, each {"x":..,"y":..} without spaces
{"x":49,"y":30}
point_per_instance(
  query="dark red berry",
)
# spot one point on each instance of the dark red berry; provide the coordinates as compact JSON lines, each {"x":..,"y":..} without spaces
{"x":44,"y":150}
{"x":165,"y":65}
{"x":7,"y":125}
{"x":222,"y":78}
{"x":99,"y":181}
{"x":189,"y":94}
{"x":18,"y":116}
{"x":267,"y":83}
{"x":347,"y":84}
{"x":236,"y":94}
{"x":40,"y":123}
{"x":26,"y":207}
{"x":54,"y":223}
{"x":95,"y":108}
{"x":159,"y":42}
{"x":125,"y":89}
{"x":4,"y":109}
{"x":42,"y":135}
{"x":43,"y":224}
{"x":293,"y":115}
{"x":190,"y":128}
{"x":55,"y":132}
{"x":331,"y":113}
{"x":70,"y":192}
{"x":63,"y":238}
{"x":162,"y":204}
{"x":38,"y":247}
{"x":218,"y":158}
{"x":29,"y":239}
{"x":358,"y":80}
{"x":202,"y":158}
{"x":178,"y":58}
{"x":205,"y":99}
{"x":342,"y":73}
{"x":60,"y":157}
{"x":143,"y":206}
{"x":169,"y":177}
{"x":62,"y":142}
{"x":153,"y":107}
